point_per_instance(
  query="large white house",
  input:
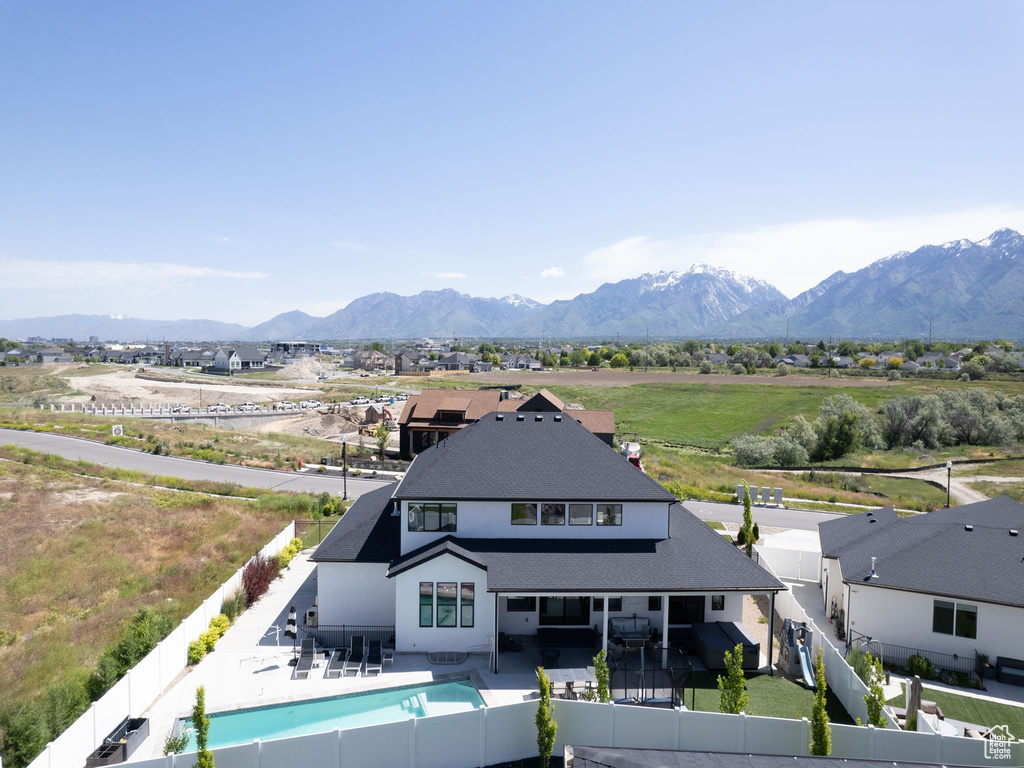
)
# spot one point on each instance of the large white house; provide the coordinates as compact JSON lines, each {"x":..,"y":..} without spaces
{"x":949,"y":582}
{"x":523,"y":522}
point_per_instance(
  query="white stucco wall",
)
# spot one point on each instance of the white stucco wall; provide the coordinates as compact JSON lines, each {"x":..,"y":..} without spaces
{"x":905,"y":618}
{"x":355,"y":593}
{"x":493,"y":519}
{"x":832,"y":584}
{"x":411,"y":637}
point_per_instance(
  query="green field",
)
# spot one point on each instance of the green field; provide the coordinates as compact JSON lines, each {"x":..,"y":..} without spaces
{"x":1013,"y":490}
{"x":770,"y":696}
{"x":972,"y":710}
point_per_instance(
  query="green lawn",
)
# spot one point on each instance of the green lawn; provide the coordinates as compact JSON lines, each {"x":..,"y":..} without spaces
{"x":905,"y":492}
{"x":769,"y":697}
{"x":1013,"y":490}
{"x":716,"y":525}
{"x":971,"y":710}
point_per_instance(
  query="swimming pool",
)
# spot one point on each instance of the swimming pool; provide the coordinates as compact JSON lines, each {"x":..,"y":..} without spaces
{"x":278,"y":721}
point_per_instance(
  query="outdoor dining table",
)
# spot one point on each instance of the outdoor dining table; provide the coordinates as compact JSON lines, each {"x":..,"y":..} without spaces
{"x":578,"y":675}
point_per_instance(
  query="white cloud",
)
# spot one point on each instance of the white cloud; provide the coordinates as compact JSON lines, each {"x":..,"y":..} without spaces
{"x":221,"y":240}
{"x":105,"y":274}
{"x":797,"y":256}
{"x":347,"y":245}
{"x":553,"y":272}
{"x":447,"y":275}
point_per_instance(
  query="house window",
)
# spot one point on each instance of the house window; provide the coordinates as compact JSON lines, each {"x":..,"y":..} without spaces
{"x":654,"y":603}
{"x":426,"y":603}
{"x":958,"y":619}
{"x":447,"y":603}
{"x":614,"y":604}
{"x":552,"y":514}
{"x":581,"y":514}
{"x":524,"y":514}
{"x":433,"y":517}
{"x":609,"y":514}
{"x":521,"y":604}
{"x":718,"y":602}
{"x":468,"y":591}
{"x":572,"y":611}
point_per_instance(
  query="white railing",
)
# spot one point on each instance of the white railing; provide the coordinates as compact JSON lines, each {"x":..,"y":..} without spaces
{"x":143,"y":684}
{"x":498,"y":734}
{"x":792,"y":564}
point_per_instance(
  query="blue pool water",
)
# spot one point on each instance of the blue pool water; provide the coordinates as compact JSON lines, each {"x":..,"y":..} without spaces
{"x":279,"y":721}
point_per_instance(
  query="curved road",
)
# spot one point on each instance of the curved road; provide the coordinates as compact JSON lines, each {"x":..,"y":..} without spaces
{"x":76,"y":449}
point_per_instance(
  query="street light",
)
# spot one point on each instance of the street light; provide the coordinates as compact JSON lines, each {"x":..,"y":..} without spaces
{"x":949,"y":478}
{"x":344,"y":464}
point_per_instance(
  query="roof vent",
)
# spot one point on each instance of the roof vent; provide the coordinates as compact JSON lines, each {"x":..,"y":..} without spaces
{"x":870,"y":514}
{"x":872,"y":520}
{"x":1013,"y":531}
{"x":558,"y":418}
{"x":520,"y":417}
{"x":500,"y":417}
{"x":538,"y":417}
{"x":968,"y":527}
{"x":873,"y":575}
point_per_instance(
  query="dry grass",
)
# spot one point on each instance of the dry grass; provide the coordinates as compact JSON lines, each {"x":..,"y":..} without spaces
{"x":80,"y":556}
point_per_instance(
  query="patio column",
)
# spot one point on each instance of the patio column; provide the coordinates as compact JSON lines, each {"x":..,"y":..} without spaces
{"x":604,"y":626}
{"x":664,"y":631}
{"x":771,"y":634}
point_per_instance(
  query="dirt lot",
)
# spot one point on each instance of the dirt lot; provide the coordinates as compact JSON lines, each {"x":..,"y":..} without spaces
{"x":607,"y":377}
{"x":124,"y":387}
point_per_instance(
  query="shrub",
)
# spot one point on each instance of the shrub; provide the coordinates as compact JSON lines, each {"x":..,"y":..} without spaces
{"x":233,"y":606}
{"x":220,"y":624}
{"x":782,"y":370}
{"x":754,"y":450}
{"x":176,"y":741}
{"x":732,"y":686}
{"x":63,"y":703}
{"x":196,"y":651}
{"x":738,"y":369}
{"x":25,"y":734}
{"x":893,"y":375}
{"x":256,"y":577}
{"x":285,"y":555}
{"x":921,"y":666}
{"x":705,"y":367}
{"x":209,"y":639}
{"x":144,"y":631}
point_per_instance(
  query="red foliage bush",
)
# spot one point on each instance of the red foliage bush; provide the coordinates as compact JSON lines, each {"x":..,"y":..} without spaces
{"x":256,"y":577}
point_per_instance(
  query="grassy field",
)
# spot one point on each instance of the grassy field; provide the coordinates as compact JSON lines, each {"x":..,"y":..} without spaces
{"x":1013,"y":490}
{"x":770,"y":696}
{"x":972,"y":710}
{"x":79,"y":556}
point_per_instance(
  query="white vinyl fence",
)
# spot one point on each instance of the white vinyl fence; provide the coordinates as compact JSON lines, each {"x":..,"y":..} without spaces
{"x":143,"y":684}
{"x":497,"y":734}
{"x":792,"y":564}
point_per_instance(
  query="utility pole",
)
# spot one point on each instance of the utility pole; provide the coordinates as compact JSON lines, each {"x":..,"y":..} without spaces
{"x":647,"y":357}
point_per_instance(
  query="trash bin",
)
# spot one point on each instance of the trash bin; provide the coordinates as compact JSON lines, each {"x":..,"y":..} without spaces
{"x":325,"y":460}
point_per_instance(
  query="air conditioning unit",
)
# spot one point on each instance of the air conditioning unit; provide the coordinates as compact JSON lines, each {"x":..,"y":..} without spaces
{"x":311,"y":617}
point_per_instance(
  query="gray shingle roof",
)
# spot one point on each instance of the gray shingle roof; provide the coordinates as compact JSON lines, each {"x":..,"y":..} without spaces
{"x":512,"y":456}
{"x":935,"y":554}
{"x":368,"y":532}
{"x":843,"y":531}
{"x":693,"y":558}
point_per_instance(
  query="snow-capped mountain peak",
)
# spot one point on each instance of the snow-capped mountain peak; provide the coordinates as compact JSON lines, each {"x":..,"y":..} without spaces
{"x":519,"y":301}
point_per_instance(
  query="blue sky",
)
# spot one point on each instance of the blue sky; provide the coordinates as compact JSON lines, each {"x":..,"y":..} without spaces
{"x":237,"y":159}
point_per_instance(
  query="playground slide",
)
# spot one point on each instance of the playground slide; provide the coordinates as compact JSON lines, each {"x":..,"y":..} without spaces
{"x":806,"y":666}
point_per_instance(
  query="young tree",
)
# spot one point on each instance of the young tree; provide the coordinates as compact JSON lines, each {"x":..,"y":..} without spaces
{"x":201,"y":724}
{"x":748,"y":533}
{"x":601,"y":673}
{"x":821,"y":734}
{"x":619,"y":360}
{"x":382,"y":435}
{"x":874,"y":699}
{"x":732,"y":687}
{"x":545,"y":720}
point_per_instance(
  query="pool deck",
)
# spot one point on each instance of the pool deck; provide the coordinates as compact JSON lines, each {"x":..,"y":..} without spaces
{"x":249,"y":668}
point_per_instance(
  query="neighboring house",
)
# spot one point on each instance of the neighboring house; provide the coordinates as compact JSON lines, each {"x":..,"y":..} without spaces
{"x":414,"y":361}
{"x":435,"y":414}
{"x":718,"y":358}
{"x":600,"y":423}
{"x":797,"y":361}
{"x":291,"y":349}
{"x":52,"y":355}
{"x":950,"y":581}
{"x":370,"y":360}
{"x":149,"y":356}
{"x":520,"y":363}
{"x":192,"y":358}
{"x":909,"y":366}
{"x":459,"y":361}
{"x":239,"y":359}
{"x":520,"y":523}
{"x":842,"y":361}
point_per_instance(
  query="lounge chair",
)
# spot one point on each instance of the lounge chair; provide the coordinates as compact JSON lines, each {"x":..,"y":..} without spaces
{"x":337,"y":663}
{"x":375,"y":658}
{"x":356,"y":656}
{"x":307,"y":652}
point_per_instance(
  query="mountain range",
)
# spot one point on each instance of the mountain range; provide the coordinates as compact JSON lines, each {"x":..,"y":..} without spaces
{"x":959,"y":289}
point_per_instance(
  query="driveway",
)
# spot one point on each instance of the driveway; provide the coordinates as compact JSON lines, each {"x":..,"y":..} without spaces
{"x":764,"y":516}
{"x":78,"y":449}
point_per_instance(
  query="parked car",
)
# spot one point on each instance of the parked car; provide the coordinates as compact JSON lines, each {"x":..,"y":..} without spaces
{"x":247,"y":407}
{"x":401,"y":398}
{"x":219,"y":408}
{"x":181,"y":408}
{"x":359,"y":401}
{"x":310,"y":404}
{"x":284,"y":405}
{"x":364,"y":375}
{"x":383,"y":399}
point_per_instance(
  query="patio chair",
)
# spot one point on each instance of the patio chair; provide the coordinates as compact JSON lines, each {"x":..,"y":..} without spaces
{"x":374,"y":659}
{"x":337,"y":663}
{"x":388,"y":654}
{"x":558,"y":689}
{"x":307,"y":652}
{"x":356,"y":656}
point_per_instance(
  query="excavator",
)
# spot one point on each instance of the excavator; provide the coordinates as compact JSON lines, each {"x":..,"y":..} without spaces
{"x":389,"y":421}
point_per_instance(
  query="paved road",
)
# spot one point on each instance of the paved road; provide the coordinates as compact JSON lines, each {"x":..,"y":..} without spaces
{"x":767,"y":516}
{"x":188,"y":469}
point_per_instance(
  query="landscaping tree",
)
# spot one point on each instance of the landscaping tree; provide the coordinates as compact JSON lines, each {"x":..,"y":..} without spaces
{"x":748,"y":533}
{"x":732,"y":686}
{"x":821,"y":734}
{"x":381,"y":435}
{"x":619,"y":360}
{"x":601,"y":673}
{"x":545,"y":720}
{"x":201,"y":724}
{"x":874,"y":699}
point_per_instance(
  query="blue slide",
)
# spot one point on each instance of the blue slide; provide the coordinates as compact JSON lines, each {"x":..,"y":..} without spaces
{"x":806,"y":666}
